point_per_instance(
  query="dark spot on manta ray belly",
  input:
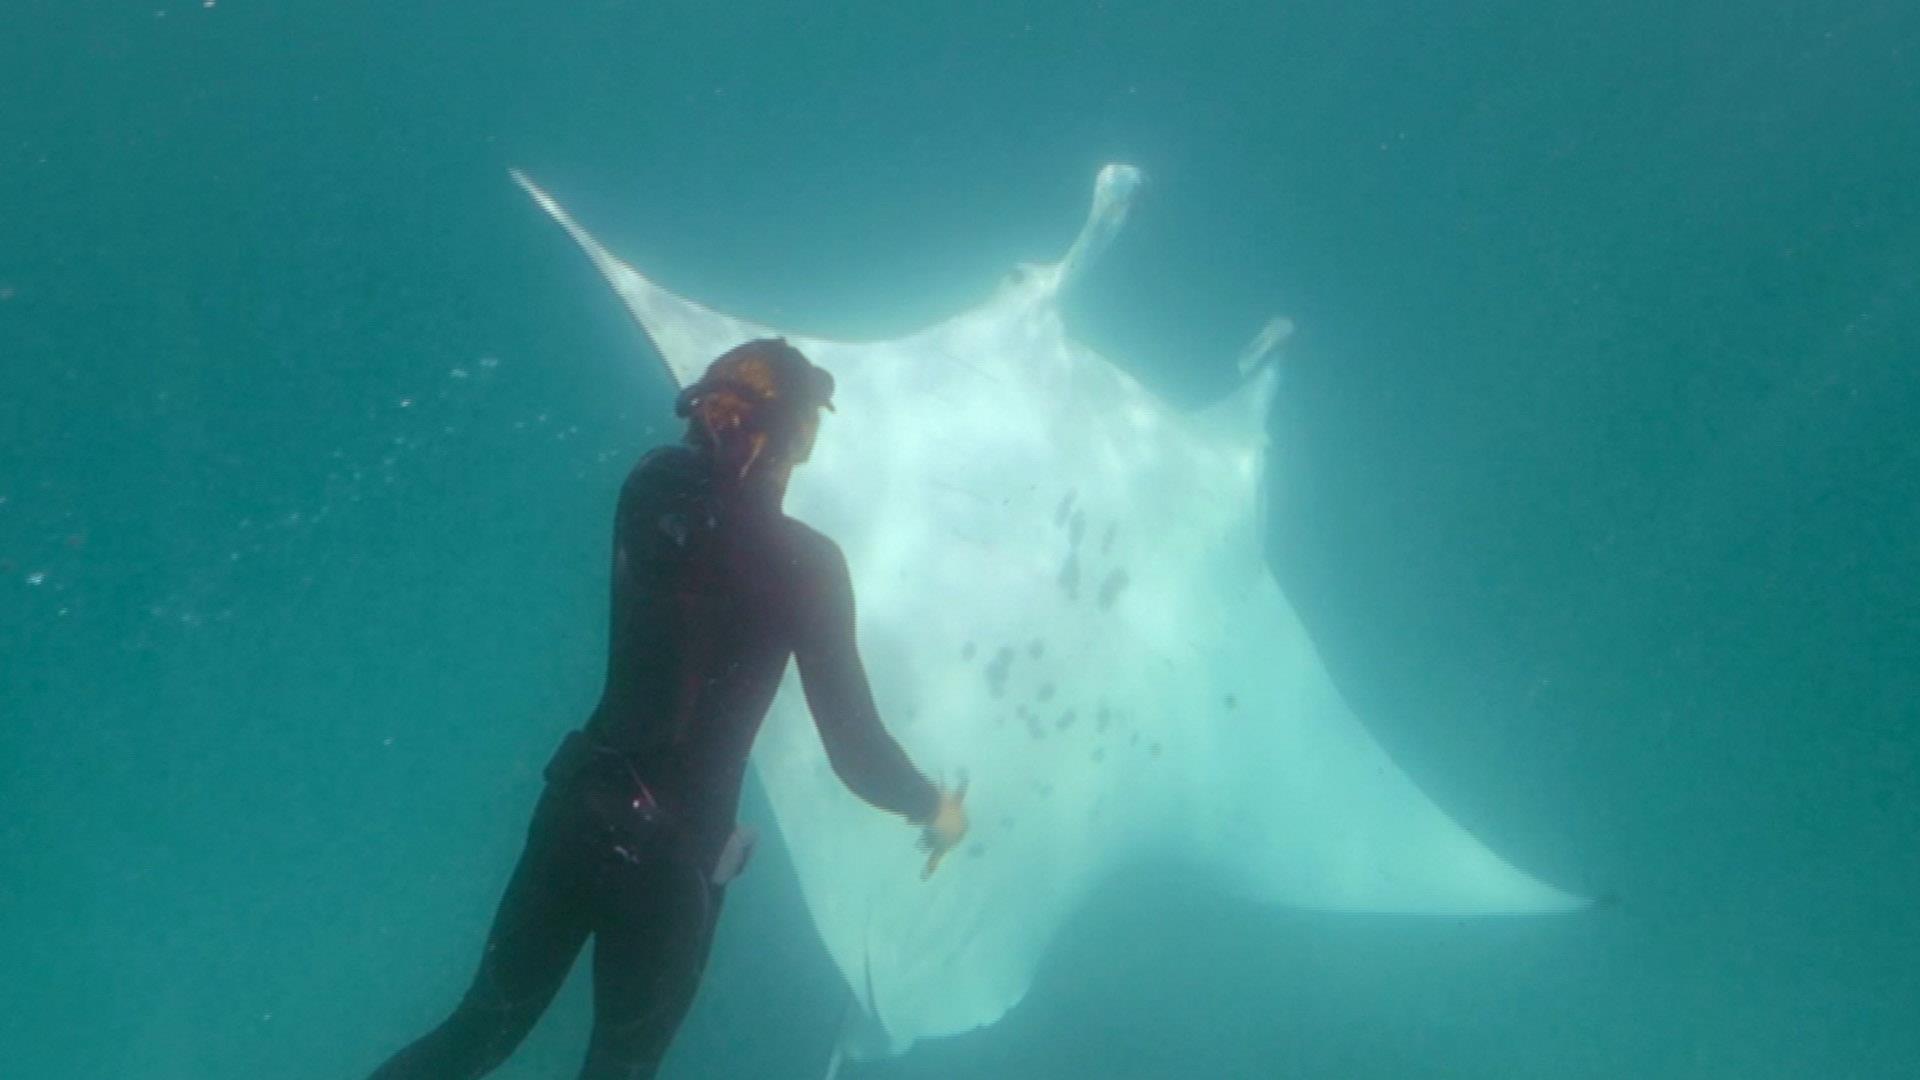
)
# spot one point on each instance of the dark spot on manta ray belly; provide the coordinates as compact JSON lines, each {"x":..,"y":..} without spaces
{"x":1066,"y":719}
{"x":997,"y":669}
{"x":1065,"y":507}
{"x":1232,"y":702}
{"x":1070,"y":576}
{"x":1110,"y":588}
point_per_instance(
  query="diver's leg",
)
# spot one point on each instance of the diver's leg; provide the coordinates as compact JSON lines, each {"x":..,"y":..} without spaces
{"x":542,"y":921}
{"x":650,"y":946}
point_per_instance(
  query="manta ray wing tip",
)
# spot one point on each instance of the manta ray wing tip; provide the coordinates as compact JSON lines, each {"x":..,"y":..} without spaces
{"x":1264,"y":349}
{"x":540,"y":197}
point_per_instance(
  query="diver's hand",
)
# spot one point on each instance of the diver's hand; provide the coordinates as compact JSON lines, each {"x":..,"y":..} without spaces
{"x":942,"y":832}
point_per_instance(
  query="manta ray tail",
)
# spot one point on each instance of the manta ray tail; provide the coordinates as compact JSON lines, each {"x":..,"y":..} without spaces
{"x":861,"y":1038}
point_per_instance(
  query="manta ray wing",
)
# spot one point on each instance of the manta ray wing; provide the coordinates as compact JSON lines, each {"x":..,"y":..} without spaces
{"x":1062,"y":594}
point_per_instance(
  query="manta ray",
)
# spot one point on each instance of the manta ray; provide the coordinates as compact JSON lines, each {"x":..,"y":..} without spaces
{"x":1062,"y":596}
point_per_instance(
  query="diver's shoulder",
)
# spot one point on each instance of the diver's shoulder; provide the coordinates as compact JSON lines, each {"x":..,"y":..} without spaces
{"x":810,"y":546}
{"x":673,"y":456}
{"x":666,"y":463}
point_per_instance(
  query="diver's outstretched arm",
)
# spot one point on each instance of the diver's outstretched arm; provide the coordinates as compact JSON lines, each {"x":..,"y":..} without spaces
{"x":863,"y":754}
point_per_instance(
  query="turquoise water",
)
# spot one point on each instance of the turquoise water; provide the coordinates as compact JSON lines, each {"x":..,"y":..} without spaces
{"x":1594,"y":466}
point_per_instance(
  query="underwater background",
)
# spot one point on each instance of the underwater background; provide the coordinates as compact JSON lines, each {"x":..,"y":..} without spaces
{"x":1595,"y":468}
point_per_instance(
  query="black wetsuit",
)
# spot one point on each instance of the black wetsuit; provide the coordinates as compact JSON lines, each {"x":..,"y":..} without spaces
{"x":711,"y":595}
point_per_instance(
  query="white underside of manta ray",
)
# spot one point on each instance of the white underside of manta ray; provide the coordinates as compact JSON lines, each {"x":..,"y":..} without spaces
{"x":1062,"y":595}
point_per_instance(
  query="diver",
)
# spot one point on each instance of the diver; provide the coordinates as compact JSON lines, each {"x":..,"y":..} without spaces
{"x":633,"y":839}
